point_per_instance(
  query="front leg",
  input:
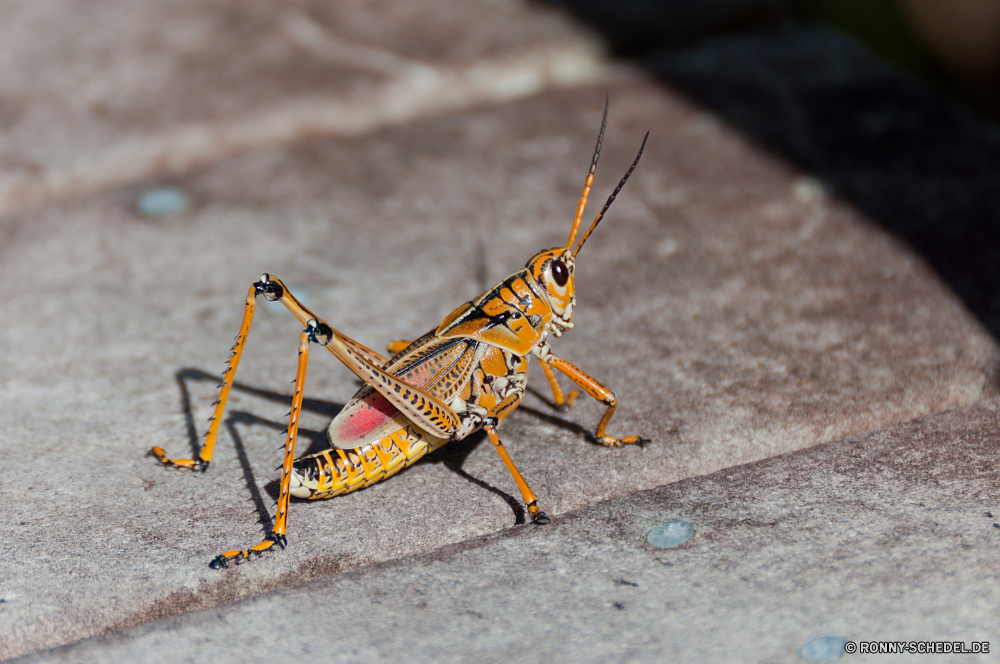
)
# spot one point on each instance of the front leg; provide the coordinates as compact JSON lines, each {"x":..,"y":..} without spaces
{"x":563,"y":402}
{"x":594,"y":388}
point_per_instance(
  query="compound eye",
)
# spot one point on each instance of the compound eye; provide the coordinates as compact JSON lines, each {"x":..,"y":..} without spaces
{"x":560,"y":273}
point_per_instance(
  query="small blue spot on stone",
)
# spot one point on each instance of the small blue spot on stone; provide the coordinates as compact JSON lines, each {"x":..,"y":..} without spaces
{"x":670,"y":534}
{"x":163,"y":202}
{"x":823,"y":649}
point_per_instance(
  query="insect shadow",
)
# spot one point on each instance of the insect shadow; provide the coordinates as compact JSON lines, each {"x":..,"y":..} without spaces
{"x":572,"y":427}
{"x":452,"y":456}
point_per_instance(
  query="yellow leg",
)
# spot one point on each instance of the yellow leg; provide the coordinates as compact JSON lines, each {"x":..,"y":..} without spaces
{"x":200,"y":464}
{"x":277,"y":534}
{"x":271,"y":291}
{"x":490,"y":425}
{"x":562,"y":402}
{"x":594,"y":388}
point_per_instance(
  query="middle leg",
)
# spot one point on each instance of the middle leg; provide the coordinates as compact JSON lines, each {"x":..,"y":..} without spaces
{"x":490,"y":424}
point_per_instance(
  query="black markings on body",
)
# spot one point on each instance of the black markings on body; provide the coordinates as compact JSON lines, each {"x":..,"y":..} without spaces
{"x":532,"y":287}
{"x":524,"y":301}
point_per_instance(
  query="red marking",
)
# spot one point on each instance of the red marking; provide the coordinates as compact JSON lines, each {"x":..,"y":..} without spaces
{"x":365,"y":417}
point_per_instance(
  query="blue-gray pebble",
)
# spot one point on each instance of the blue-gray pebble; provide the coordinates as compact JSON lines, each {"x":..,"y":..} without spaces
{"x":823,"y":649}
{"x":670,"y":534}
{"x":163,"y":202}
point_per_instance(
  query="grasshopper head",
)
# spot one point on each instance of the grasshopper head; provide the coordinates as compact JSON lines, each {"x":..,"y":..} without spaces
{"x":553,"y":271}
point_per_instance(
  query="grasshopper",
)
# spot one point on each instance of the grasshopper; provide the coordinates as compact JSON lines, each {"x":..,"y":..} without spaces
{"x":468,"y":373}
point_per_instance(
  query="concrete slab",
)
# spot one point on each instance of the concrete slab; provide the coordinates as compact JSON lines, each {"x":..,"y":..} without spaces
{"x":916,"y":163}
{"x":888,"y":536}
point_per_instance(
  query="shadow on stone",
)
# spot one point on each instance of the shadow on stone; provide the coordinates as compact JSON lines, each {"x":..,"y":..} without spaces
{"x":919,"y":165}
{"x":452,"y":456}
{"x":263,"y":513}
{"x":556,"y":421}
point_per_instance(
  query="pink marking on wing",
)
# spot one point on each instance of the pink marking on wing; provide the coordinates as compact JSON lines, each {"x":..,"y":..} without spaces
{"x":368,"y":415}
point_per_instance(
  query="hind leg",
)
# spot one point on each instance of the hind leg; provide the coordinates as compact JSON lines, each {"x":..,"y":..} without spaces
{"x":200,"y":464}
{"x":277,"y":534}
{"x":271,"y":290}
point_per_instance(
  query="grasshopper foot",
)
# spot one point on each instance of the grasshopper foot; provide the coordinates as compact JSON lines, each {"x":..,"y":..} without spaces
{"x":199,"y":466}
{"x":538,"y":517}
{"x":609,"y":441}
{"x":239,"y":557}
{"x":568,"y":401}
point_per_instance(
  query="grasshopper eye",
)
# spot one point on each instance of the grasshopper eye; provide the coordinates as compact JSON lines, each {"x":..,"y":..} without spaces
{"x":560,"y":273}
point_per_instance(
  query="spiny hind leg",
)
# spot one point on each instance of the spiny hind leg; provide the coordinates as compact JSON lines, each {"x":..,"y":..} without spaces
{"x":594,"y":388}
{"x":200,"y":464}
{"x":277,"y":534}
{"x":422,"y":408}
{"x":273,"y":290}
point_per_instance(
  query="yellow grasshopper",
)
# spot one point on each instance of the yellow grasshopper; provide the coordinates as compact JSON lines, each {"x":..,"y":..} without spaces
{"x":469,"y":373}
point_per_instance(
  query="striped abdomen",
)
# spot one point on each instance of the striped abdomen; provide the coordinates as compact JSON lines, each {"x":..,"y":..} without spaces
{"x":336,"y":471}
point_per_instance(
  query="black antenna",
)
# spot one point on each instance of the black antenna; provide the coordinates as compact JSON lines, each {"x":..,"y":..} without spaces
{"x":582,"y":205}
{"x":611,"y":199}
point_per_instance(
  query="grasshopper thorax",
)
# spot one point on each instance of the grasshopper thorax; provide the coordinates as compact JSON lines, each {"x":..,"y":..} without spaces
{"x":553,"y":270}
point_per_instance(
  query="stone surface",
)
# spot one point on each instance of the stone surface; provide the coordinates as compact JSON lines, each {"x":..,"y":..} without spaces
{"x":735,"y":318}
{"x":121,"y":91}
{"x":738,"y":311}
{"x":888,"y":536}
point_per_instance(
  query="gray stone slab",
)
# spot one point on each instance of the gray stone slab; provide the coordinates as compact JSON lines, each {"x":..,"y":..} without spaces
{"x":107,"y":94}
{"x":887,"y":536}
{"x":737,"y":312}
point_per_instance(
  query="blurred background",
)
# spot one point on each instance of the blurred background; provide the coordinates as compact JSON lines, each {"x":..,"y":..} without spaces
{"x":952,"y":46}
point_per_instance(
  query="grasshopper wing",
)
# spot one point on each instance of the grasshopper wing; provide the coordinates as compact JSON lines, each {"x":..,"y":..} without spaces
{"x":440,"y":367}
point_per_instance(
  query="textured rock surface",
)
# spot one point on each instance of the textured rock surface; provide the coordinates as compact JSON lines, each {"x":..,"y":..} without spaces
{"x":918,"y":165}
{"x":114,"y":92}
{"x":737,"y":311}
{"x":888,"y":536}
